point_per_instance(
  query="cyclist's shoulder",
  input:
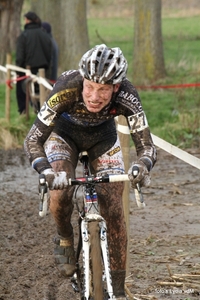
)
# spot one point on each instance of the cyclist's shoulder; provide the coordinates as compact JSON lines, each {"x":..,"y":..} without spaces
{"x":127,"y":91}
{"x":128,"y":87}
{"x":70,"y":75}
{"x":68,"y":86}
{"x":69,"y":79}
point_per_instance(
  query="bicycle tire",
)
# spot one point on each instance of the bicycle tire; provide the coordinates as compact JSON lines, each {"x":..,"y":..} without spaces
{"x":96,"y":260}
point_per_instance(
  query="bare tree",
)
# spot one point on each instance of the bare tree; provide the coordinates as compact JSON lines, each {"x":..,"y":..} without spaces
{"x":148,"y":59}
{"x":10,"y":11}
{"x":69,"y":28}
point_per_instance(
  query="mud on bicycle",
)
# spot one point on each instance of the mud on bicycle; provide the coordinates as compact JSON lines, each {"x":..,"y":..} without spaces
{"x":92,"y":278}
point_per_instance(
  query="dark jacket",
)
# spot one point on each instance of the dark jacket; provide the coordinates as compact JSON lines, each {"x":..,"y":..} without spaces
{"x":54,"y":66}
{"x":34,"y":48}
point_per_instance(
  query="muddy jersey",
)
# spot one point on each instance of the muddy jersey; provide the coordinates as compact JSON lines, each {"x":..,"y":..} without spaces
{"x":65,"y":111}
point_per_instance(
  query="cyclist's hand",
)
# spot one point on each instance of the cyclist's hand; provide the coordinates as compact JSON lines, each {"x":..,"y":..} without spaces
{"x":141,"y":177}
{"x":56,"y":180}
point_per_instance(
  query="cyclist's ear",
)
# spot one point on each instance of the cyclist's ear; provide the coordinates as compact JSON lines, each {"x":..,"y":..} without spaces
{"x":116,"y":87}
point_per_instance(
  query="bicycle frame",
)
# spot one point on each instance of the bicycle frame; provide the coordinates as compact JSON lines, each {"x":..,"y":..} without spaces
{"x":91,"y":214}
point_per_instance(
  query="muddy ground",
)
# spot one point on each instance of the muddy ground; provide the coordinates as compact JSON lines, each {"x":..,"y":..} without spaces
{"x":164,"y":237}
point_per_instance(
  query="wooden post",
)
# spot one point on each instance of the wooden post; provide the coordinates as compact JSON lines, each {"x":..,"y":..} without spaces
{"x":125,"y":144}
{"x":27,"y":95}
{"x":42,"y":88}
{"x":27,"y":99}
{"x":8,"y":77}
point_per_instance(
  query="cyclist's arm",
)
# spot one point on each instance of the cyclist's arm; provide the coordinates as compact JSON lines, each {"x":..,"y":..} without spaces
{"x":33,"y":145}
{"x":145,"y":149}
{"x":59,"y":100}
{"x":138,"y":125}
{"x":40,"y":131}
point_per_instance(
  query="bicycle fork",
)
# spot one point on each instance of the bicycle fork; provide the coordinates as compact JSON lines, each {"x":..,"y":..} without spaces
{"x":105,"y":257}
{"x":106,"y":260}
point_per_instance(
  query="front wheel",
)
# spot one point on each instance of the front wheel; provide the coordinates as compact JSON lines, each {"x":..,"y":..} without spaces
{"x":96,"y":260}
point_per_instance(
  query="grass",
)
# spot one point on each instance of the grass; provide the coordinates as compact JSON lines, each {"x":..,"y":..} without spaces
{"x":13,"y":131}
{"x":173,"y":114}
{"x":115,"y":32}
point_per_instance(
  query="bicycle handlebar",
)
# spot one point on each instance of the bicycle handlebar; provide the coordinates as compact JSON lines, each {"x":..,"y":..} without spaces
{"x":98,"y":179}
{"x":111,"y":178}
{"x":44,"y":187}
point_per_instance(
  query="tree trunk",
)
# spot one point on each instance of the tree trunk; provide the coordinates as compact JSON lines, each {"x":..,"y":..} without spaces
{"x":10,"y":11}
{"x":148,"y":59}
{"x":69,"y":28}
{"x":74,"y":29}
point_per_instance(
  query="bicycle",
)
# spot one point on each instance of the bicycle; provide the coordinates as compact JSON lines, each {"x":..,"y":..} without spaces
{"x":92,"y":278}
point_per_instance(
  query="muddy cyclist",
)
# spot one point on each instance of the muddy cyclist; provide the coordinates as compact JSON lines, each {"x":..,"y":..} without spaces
{"x":79,"y":116}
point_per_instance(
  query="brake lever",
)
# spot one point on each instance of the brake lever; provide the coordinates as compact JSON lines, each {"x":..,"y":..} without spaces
{"x":43,"y":193}
{"x":138,"y":193}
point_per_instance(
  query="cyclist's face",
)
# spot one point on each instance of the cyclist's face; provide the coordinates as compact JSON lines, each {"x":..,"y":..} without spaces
{"x":96,"y":96}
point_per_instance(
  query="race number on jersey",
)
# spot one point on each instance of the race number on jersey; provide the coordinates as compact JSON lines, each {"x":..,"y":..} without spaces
{"x":137,"y":122}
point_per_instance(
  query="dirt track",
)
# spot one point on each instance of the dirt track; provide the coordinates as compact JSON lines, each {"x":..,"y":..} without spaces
{"x":164,"y":237}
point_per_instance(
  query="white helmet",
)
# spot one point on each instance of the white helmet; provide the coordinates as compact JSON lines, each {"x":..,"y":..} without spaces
{"x":103,"y":65}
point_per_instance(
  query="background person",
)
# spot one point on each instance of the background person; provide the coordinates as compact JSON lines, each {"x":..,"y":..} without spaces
{"x":54,"y":61}
{"x":79,"y":115}
{"x":34,"y":50}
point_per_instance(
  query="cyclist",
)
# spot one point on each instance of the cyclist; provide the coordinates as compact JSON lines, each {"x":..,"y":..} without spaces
{"x":79,"y":115}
